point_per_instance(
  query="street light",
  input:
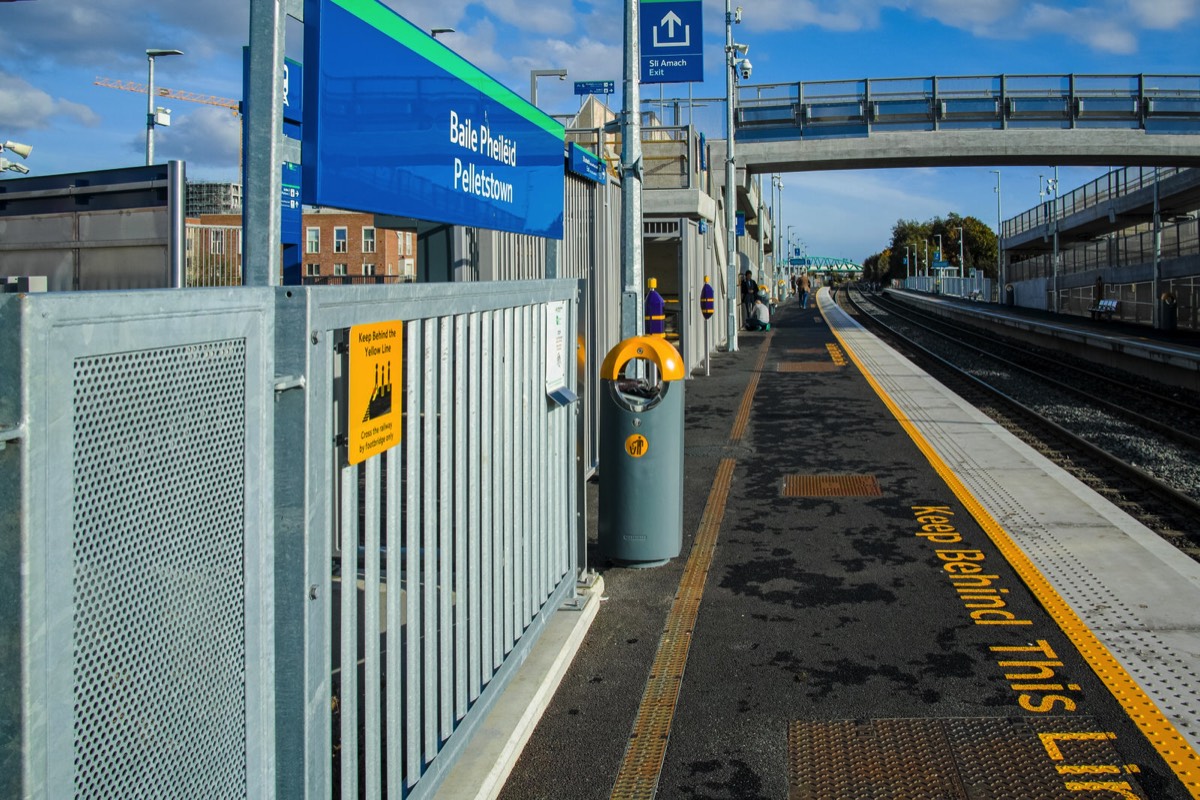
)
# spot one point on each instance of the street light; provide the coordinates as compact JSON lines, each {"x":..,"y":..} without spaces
{"x":435,"y":31}
{"x":960,"y":251}
{"x":776,"y":214}
{"x":999,"y":234}
{"x":151,"y":118}
{"x":534,"y":74}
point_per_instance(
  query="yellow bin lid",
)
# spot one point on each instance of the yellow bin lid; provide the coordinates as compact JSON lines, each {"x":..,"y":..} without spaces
{"x":658,"y":351}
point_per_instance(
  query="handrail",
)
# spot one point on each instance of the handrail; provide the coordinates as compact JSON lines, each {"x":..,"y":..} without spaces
{"x":827,"y":107}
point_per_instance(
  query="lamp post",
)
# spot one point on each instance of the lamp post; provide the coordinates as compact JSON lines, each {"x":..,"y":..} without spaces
{"x":534,"y":74}
{"x":435,"y":31}
{"x":776,"y":212}
{"x":999,"y":234}
{"x":960,"y":253}
{"x":150,"y":116}
{"x":907,"y":263}
{"x":1052,"y":189}
{"x":731,"y":62}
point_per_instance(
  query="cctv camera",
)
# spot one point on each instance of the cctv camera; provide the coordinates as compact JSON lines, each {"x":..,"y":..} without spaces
{"x":747,"y":68}
{"x":23,"y":150}
{"x":737,"y":15}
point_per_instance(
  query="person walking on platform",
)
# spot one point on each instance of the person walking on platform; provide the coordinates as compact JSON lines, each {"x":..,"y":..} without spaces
{"x":760,"y":316}
{"x":749,"y":292}
{"x":1097,"y":291}
{"x":805,"y":286}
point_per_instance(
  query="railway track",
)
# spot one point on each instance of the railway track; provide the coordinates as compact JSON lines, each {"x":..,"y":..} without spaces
{"x":1127,"y":439}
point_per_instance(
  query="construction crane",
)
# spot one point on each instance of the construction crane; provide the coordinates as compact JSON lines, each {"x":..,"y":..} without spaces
{"x":173,"y":94}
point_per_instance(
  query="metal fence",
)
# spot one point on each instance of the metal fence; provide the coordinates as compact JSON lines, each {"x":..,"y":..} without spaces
{"x":205,"y":601}
{"x":214,"y":255}
{"x":1103,"y":190}
{"x":1165,"y":103}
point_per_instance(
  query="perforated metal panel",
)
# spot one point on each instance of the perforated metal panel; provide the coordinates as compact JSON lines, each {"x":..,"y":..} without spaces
{"x":158,"y":584}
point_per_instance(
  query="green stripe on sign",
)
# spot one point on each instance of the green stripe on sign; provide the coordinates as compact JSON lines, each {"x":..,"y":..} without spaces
{"x":401,"y":30}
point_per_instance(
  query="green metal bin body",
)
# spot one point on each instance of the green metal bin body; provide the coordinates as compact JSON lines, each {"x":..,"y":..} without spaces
{"x":641,"y":456}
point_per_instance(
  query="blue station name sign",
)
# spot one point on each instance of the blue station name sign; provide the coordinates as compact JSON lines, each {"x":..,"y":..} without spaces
{"x":404,"y":126}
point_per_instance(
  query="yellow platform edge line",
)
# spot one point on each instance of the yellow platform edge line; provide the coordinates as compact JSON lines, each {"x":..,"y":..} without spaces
{"x":1158,"y":730}
{"x":642,"y":764}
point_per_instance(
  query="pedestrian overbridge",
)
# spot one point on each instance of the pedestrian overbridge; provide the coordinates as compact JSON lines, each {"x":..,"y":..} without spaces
{"x":998,"y":120}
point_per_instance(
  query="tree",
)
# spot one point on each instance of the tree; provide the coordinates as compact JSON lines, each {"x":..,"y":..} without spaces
{"x":980,"y":245}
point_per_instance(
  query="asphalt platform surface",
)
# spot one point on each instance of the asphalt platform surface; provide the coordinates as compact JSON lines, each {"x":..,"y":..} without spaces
{"x":814,"y":608}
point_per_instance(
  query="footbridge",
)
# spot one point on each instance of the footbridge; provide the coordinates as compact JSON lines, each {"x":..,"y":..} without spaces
{"x":991,"y":120}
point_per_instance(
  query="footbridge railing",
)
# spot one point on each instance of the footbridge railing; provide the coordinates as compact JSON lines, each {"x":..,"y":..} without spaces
{"x":1154,"y":103}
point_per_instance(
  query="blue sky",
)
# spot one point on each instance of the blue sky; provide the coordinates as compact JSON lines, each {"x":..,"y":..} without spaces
{"x":51,"y":51}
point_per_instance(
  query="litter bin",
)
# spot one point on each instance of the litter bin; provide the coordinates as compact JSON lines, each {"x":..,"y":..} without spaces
{"x":1168,"y":312}
{"x":641,"y":453}
{"x":1010,"y":295}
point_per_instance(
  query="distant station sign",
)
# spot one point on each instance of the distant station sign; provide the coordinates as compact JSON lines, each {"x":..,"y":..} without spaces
{"x":595,"y":87}
{"x":585,"y":163}
{"x":672,"y":41}
{"x":398,"y":124}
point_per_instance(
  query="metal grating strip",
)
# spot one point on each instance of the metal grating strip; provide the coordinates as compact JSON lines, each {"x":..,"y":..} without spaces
{"x":638,"y":776}
{"x":807,"y":366}
{"x":830,"y":486}
{"x":1049,"y":758}
{"x":743,"y":415}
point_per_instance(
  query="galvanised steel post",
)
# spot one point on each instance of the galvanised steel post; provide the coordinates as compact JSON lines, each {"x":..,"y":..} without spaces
{"x":631,"y":183}
{"x":731,"y":288}
{"x":999,"y":235}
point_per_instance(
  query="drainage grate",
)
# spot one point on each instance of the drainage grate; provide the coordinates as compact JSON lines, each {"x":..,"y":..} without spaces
{"x":1047,"y":758}
{"x":831,"y":486}
{"x":807,"y":366}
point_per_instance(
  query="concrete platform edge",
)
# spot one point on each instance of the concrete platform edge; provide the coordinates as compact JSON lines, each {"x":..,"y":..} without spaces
{"x":497,"y":744}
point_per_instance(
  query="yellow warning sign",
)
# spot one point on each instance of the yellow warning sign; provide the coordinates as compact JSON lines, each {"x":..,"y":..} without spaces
{"x":376,"y":388}
{"x":636,"y":445}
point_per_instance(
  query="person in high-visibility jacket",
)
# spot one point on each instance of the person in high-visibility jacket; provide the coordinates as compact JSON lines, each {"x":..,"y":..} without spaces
{"x":656,"y":313}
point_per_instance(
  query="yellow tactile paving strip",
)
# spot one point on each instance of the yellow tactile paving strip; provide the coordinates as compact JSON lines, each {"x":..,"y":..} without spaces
{"x":642,"y":764}
{"x":640,"y":769}
{"x":743,"y":415}
{"x":1159,"y":731}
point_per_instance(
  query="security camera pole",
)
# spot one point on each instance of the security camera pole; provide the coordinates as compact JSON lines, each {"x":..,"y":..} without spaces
{"x":632,"y":323}
{"x":150,"y":116}
{"x":731,"y":286}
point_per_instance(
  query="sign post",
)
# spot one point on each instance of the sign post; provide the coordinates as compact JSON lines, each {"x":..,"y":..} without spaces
{"x":706,"y":308}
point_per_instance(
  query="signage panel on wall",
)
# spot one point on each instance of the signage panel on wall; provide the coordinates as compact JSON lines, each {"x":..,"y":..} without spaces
{"x":584,"y":162}
{"x":671,"y":41}
{"x":397,"y":123}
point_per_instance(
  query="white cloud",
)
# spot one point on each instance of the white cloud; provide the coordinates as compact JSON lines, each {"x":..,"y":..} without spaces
{"x":24,"y":107}
{"x":1163,"y":14}
{"x":207,"y":138}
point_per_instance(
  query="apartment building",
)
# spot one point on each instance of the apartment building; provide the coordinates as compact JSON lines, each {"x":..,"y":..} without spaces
{"x":337,"y":247}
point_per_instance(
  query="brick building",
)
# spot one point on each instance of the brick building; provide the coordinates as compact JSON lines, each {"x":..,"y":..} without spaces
{"x":337,"y":247}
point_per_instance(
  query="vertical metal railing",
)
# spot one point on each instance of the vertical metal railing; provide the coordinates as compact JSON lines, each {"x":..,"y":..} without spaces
{"x":451,"y":550}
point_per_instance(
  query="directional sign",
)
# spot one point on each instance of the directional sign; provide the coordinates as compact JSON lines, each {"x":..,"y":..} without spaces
{"x":595,"y":87}
{"x":671,"y":41}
